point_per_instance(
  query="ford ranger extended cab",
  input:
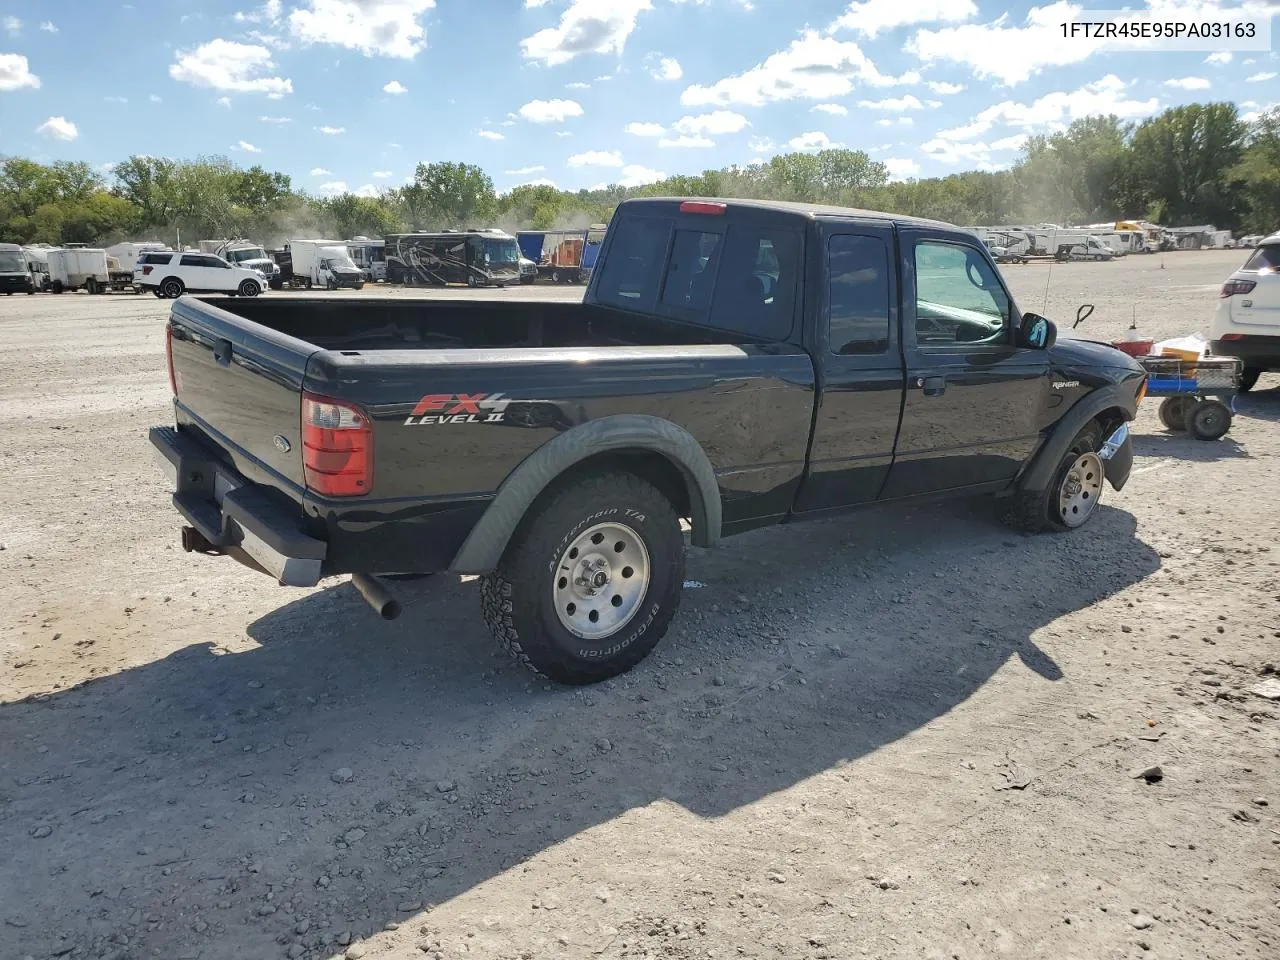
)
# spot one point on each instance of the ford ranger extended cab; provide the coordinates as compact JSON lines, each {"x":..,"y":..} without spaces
{"x":734,"y":363}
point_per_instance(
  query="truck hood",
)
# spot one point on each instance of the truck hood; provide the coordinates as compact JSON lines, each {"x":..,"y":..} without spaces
{"x":1091,"y":361}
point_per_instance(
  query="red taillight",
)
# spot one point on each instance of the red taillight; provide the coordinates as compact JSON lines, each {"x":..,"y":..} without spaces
{"x":1232,"y":287}
{"x":168,"y":357}
{"x":146,"y":271}
{"x":1232,"y":336}
{"x":337,"y":447}
{"x":706,"y":207}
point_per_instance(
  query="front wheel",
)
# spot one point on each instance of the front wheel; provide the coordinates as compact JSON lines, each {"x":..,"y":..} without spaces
{"x":590,"y":581}
{"x":249,"y":289}
{"x":1073,"y":493}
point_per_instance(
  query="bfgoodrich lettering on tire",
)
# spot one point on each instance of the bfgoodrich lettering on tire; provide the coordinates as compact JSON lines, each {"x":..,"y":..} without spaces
{"x":591,"y":579}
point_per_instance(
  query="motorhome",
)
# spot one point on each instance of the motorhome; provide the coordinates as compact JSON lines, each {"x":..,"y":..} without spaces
{"x":370,"y":256}
{"x":478,"y":258}
{"x":15,"y":274}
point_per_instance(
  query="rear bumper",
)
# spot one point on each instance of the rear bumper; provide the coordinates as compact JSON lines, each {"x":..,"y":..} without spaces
{"x":235,"y":515}
{"x":1254,"y":350}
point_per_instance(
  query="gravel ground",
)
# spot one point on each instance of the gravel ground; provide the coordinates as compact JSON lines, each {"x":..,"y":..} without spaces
{"x":903,"y":733}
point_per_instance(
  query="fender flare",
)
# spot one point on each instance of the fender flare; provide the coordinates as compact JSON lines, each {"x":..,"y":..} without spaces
{"x":488,"y":539}
{"x":1117,"y":396}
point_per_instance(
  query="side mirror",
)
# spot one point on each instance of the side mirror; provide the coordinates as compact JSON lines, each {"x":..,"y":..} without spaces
{"x":1036,"y":332}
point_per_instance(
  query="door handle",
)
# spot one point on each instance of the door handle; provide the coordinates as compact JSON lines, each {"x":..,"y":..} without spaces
{"x":222,"y":352}
{"x":932,"y":386}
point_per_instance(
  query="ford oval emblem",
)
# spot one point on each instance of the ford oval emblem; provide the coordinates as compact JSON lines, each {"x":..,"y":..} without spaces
{"x":282,"y":443}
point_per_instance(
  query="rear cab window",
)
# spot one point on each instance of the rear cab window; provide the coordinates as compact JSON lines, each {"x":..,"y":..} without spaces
{"x":732,"y":276}
{"x":155,"y":259}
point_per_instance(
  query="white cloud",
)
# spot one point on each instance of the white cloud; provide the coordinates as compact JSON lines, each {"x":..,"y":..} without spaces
{"x":1256,"y":114}
{"x":666,"y":68}
{"x":276,"y":119}
{"x":635,"y":175}
{"x":227,"y":65}
{"x":1014,"y":142}
{"x":333,"y":188}
{"x":368,"y":190}
{"x":834,"y":109}
{"x":394,"y":86}
{"x":154,"y":98}
{"x":687,"y":140}
{"x":814,"y":140}
{"x":715,"y":122}
{"x":577,"y":85}
{"x":760,"y":144}
{"x":270,"y":13}
{"x":1261,"y":77}
{"x":48,"y":27}
{"x":1189,"y":83}
{"x":1221,"y":58}
{"x":596,"y":158}
{"x":384,"y":28}
{"x":59,"y":128}
{"x":525,"y":171}
{"x":245,"y":146}
{"x":873,"y":17}
{"x":944,"y":88}
{"x":329,"y":131}
{"x":321,"y":172}
{"x":563,"y":133}
{"x":116,"y":99}
{"x":383,"y":174}
{"x":550,"y":111}
{"x":900,"y":169}
{"x":13,"y":26}
{"x":637,"y":129}
{"x":539,"y":182}
{"x":224,"y":102}
{"x":1055,"y":110}
{"x":587,"y":26}
{"x":812,"y":67}
{"x":490,"y":135}
{"x":893,"y":103}
{"x":900,"y":122}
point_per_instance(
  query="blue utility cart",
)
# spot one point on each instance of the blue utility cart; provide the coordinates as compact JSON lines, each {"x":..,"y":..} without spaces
{"x":1199,"y":394}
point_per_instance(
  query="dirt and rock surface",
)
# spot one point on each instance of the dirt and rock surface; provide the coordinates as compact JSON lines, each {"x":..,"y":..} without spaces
{"x":903,"y":733}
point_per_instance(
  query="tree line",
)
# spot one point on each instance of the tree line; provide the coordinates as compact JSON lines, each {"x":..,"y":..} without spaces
{"x":1193,"y":164}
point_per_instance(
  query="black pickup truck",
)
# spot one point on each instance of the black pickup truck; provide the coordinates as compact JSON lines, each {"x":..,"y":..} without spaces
{"x":734,"y":363}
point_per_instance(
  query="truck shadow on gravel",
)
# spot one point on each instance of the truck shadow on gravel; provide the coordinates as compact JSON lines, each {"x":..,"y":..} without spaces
{"x":346,"y":772}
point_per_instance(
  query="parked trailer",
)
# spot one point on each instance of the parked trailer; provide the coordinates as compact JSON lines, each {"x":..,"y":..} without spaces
{"x":129,"y":252}
{"x":71,"y":268}
{"x":562,"y":256}
{"x":15,"y":274}
{"x":478,"y":258}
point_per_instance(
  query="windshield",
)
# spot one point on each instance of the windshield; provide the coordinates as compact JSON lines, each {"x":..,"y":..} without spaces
{"x":502,"y":251}
{"x":338,"y":263}
{"x":242,"y":254}
{"x":11,"y":262}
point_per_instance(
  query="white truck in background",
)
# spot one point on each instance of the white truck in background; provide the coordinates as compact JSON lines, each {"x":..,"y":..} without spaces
{"x":15,"y":273}
{"x":242,"y":253}
{"x":324,"y":263}
{"x":38,"y":265}
{"x":71,"y":268}
{"x":128,"y":252}
{"x":370,"y":256}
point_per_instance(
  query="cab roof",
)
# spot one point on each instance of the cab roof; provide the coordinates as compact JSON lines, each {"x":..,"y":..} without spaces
{"x":808,"y":211}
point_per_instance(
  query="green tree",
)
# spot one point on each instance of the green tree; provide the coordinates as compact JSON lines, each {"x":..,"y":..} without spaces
{"x":455,"y":194}
{"x":1258,"y":173}
{"x":1183,"y":157}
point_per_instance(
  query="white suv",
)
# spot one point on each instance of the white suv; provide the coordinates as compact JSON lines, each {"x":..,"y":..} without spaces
{"x":169,"y":275}
{"x":1247,"y":324}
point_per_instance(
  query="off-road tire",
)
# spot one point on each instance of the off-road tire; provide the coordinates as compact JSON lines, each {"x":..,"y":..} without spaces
{"x":1035,"y":511}
{"x":518,"y":598}
{"x":1249,"y":378}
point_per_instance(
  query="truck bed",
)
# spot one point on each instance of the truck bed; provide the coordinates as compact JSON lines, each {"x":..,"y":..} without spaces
{"x":387,"y":323}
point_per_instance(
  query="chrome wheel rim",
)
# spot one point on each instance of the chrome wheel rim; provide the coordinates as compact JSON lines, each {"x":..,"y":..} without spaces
{"x":600,"y":581}
{"x":1081,"y":489}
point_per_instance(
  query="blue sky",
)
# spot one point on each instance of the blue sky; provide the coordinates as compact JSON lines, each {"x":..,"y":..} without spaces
{"x":351,"y":94}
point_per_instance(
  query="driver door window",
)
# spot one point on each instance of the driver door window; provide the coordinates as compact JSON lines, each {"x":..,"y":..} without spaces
{"x":959,"y":298}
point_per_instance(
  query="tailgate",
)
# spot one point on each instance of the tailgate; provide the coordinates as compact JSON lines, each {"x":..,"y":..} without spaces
{"x":240,"y":384}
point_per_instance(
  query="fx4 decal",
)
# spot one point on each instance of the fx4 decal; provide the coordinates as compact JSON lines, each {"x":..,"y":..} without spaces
{"x":437,"y":409}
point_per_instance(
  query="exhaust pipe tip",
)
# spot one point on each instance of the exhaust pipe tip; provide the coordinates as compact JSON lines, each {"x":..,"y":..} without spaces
{"x":376,"y":595}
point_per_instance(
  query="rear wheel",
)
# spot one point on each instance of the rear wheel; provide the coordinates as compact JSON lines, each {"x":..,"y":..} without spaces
{"x":249,"y":289}
{"x":590,"y":581}
{"x":1208,"y":420}
{"x":1249,"y":378}
{"x":1173,"y":412}
{"x":172,"y":288}
{"x":91,"y":285}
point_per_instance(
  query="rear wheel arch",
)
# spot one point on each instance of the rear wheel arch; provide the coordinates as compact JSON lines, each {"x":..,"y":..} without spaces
{"x":658,"y":451}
